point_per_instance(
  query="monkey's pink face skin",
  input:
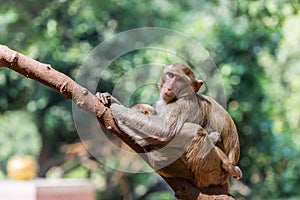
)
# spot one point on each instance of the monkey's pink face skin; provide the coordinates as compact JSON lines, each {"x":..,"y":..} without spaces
{"x":173,"y":84}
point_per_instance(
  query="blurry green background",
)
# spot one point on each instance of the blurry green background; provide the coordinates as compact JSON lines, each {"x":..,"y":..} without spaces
{"x":256,"y":47}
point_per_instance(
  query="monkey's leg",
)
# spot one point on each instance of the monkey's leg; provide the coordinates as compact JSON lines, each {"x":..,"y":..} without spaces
{"x":227,"y":165}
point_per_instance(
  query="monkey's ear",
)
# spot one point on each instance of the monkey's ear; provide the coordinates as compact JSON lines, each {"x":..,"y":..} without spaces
{"x":198,"y":85}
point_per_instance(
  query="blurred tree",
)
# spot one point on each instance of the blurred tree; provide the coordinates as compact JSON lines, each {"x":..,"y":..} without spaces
{"x":17,"y":128}
{"x":250,"y":30}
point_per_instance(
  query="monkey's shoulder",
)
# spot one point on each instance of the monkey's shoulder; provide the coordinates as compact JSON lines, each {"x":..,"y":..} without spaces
{"x":211,"y":105}
{"x":203,"y":99}
{"x":208,"y":100}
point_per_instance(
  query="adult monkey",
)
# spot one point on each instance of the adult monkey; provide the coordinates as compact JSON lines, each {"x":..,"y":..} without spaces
{"x":179,"y":104}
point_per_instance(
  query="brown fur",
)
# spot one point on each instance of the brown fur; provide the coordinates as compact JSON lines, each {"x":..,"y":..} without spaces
{"x":183,"y":122}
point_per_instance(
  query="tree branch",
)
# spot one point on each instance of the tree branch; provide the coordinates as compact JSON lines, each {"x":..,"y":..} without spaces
{"x":64,"y":85}
{"x":86,"y":101}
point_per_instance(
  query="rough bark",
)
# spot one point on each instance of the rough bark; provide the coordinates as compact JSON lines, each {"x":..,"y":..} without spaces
{"x":86,"y":101}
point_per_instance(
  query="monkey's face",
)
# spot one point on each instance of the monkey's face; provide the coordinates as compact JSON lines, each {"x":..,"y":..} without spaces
{"x":176,"y":81}
{"x":174,"y":87}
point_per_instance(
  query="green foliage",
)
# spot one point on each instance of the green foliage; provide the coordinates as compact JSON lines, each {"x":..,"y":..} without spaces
{"x":18,"y":130}
{"x":255,"y":45}
{"x":160,"y":195}
{"x":79,"y":172}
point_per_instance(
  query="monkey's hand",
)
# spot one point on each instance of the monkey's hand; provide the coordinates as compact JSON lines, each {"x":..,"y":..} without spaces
{"x":107,"y":99}
{"x":104,"y":98}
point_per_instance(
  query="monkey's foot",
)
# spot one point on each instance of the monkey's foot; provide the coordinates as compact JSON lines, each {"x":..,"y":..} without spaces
{"x":234,"y":170}
{"x":214,"y":137}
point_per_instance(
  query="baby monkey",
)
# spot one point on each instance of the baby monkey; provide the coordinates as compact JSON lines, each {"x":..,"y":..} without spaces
{"x":144,"y":108}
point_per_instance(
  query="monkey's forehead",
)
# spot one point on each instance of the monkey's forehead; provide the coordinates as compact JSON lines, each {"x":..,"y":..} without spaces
{"x":182,"y":71}
{"x":179,"y":69}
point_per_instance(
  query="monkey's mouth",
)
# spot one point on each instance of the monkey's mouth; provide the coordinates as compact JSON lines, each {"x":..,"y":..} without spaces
{"x":168,"y":94}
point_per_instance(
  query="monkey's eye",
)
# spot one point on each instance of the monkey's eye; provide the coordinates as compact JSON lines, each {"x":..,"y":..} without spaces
{"x":181,"y":80}
{"x":170,"y":75}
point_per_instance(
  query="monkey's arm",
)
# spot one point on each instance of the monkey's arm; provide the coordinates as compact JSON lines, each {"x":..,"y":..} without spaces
{"x":147,"y":126}
{"x":139,"y":126}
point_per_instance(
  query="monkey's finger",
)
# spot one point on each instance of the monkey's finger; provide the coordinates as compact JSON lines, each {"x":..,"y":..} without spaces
{"x":98,"y":95}
{"x":105,"y":101}
{"x":102,"y":98}
{"x":106,"y":98}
